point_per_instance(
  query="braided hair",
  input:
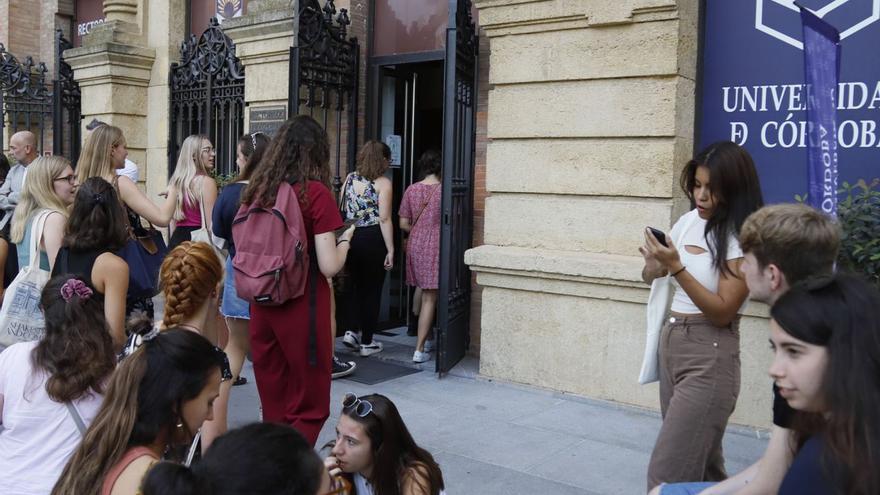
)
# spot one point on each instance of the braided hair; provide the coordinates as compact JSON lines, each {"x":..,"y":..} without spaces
{"x":188,"y":275}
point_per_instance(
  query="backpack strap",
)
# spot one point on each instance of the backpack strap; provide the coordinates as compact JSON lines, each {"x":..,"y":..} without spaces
{"x":74,"y":414}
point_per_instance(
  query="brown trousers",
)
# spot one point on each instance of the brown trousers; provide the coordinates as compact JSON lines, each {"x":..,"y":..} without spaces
{"x":699,"y":384}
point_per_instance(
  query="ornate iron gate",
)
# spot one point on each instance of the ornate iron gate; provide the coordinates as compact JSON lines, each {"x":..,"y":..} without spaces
{"x":459,"y":148}
{"x":325,"y":63}
{"x":207,"y":96}
{"x":66,"y":104}
{"x":25,"y":100}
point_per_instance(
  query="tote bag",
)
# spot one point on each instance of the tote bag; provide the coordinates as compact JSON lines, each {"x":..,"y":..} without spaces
{"x":21,"y":319}
{"x":204,"y":234}
{"x":658,"y":304}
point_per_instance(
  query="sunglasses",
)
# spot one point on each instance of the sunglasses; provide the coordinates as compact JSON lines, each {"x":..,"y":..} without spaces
{"x":351,"y":402}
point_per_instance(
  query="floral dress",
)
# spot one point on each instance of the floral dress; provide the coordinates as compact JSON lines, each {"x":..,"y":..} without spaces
{"x":421,"y":205}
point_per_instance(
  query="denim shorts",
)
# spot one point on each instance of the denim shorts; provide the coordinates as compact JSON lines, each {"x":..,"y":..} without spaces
{"x":685,"y":488}
{"x":233,"y":306}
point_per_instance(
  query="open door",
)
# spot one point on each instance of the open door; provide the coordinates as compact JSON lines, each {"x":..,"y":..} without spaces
{"x":459,"y":147}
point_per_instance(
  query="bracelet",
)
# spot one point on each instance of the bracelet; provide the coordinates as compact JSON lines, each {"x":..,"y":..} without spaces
{"x":340,"y":241}
{"x":681,"y":270}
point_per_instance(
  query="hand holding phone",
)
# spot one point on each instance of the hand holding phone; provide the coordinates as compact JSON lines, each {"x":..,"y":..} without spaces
{"x":659,"y":235}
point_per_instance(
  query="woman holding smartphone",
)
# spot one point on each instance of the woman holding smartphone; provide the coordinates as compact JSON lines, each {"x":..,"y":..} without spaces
{"x":699,"y":346}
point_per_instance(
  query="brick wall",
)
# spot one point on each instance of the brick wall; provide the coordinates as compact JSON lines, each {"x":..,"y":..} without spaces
{"x":480,"y":193}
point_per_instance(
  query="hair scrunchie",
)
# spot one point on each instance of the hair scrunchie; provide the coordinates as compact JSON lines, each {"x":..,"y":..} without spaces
{"x":75,"y":287}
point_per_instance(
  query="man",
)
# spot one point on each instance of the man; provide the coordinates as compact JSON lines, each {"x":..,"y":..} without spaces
{"x":783,"y":245}
{"x":23,"y":146}
{"x":130,"y":169}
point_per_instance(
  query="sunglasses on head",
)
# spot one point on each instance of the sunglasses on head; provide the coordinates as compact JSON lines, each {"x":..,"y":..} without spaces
{"x":351,"y":402}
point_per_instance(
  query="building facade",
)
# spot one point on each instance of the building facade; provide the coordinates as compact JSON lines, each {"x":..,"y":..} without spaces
{"x":572,"y":130}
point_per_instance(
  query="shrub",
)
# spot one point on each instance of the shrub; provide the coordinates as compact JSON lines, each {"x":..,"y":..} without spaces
{"x":859,"y":215}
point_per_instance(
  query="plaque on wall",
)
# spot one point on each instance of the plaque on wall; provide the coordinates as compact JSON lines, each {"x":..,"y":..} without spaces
{"x":266,"y":119}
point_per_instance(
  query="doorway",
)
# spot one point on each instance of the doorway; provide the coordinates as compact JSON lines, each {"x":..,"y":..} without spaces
{"x":409,"y":118}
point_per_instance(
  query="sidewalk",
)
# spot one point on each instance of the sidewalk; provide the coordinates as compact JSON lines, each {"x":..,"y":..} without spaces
{"x":497,"y":438}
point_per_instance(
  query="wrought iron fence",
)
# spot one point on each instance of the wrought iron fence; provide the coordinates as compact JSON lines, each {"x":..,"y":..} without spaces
{"x":207,"y":96}
{"x":66,"y":104}
{"x":324,"y":74}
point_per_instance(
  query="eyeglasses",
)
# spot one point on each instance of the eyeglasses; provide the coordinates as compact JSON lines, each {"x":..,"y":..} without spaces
{"x":360,"y":407}
{"x":71,"y":179}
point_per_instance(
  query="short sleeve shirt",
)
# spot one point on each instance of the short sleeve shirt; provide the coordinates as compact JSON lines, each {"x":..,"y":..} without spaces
{"x":320,"y":214}
{"x":807,"y":475}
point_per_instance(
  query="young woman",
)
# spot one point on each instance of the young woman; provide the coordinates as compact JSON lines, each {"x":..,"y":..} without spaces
{"x":293,"y":391}
{"x":825,"y":338}
{"x":269,"y":459}
{"x":366,"y":200}
{"x":249,"y":151}
{"x":48,"y":388}
{"x":50,"y":185}
{"x":376,"y":452}
{"x":420,"y":218}
{"x":190,"y":278}
{"x":197,"y":190}
{"x":156,"y":400}
{"x":95,"y":231}
{"x":699,"y":346}
{"x":103,"y":153}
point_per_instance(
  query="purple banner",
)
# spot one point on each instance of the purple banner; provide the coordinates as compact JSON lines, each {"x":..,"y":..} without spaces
{"x":822,"y":70}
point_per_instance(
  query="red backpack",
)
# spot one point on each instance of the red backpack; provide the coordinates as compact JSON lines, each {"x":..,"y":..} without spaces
{"x":271,"y":260}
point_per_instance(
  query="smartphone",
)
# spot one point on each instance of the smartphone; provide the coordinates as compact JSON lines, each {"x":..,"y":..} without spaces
{"x":661,"y":237}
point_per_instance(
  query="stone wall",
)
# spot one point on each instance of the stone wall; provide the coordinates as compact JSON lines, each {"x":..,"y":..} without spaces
{"x":590,"y":119}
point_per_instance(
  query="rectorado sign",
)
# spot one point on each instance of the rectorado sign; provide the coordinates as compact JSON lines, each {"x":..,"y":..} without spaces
{"x":753,"y":90}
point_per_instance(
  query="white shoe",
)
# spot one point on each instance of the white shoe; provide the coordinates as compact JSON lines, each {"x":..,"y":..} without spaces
{"x":370,"y":349}
{"x":351,"y":340}
{"x":428,"y":345}
{"x":421,"y":357}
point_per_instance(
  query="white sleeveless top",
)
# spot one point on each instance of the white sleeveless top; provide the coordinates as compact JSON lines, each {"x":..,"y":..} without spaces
{"x":698,"y":265}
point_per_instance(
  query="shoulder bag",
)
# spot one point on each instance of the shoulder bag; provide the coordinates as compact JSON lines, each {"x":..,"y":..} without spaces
{"x":204,"y":234}
{"x":658,"y":305}
{"x":143,"y":252}
{"x":21,"y":319}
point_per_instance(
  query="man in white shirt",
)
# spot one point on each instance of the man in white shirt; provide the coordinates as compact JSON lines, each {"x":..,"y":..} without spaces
{"x":23,"y":146}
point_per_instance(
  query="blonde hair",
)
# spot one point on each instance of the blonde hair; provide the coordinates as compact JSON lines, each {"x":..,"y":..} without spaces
{"x":38,"y":192}
{"x":188,"y":275}
{"x":189,"y":165}
{"x":94,"y":161}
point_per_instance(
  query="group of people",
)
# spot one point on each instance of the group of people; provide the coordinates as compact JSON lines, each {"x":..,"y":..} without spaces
{"x":824,"y":335}
{"x":107,"y":393}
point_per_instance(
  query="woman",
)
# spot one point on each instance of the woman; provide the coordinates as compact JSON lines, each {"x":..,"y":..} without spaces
{"x":249,"y":151}
{"x":95,"y":231}
{"x":49,"y":189}
{"x":103,"y":153}
{"x":420,"y":219}
{"x":48,"y":388}
{"x":197,"y":190}
{"x":269,"y":459}
{"x":699,"y":347}
{"x":376,"y":452}
{"x":190,"y":278}
{"x":156,"y":400}
{"x":366,"y":199}
{"x":292,"y":390}
{"x":826,"y":344}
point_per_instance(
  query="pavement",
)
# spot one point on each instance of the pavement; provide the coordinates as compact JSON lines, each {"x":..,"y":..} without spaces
{"x":492,"y":437}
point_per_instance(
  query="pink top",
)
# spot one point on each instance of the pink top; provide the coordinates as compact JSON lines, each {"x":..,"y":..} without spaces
{"x":191,"y":215}
{"x":127,"y":458}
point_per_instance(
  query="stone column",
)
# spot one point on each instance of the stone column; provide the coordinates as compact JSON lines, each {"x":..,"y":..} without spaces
{"x":262,"y":40}
{"x":113,"y":68}
{"x":590,"y":120}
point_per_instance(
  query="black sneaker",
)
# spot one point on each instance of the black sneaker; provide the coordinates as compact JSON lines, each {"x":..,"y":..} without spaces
{"x":342,"y":368}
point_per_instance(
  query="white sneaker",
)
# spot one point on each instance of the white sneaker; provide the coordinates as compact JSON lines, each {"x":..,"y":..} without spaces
{"x":370,"y":349}
{"x":420,"y":357}
{"x":428,"y":345}
{"x":351,"y":340}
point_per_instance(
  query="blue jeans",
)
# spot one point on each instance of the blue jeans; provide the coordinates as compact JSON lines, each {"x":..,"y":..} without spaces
{"x":233,"y":306}
{"x":685,"y":488}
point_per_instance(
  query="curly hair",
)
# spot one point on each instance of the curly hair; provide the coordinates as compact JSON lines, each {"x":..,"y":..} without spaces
{"x":298,"y":153}
{"x":76,"y":351}
{"x":188,"y":275}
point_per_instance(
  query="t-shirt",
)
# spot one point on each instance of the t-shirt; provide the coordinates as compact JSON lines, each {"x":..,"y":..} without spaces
{"x":807,"y":476}
{"x":224,"y":213}
{"x":698,"y":265}
{"x":38,"y":435}
{"x":782,"y":412}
